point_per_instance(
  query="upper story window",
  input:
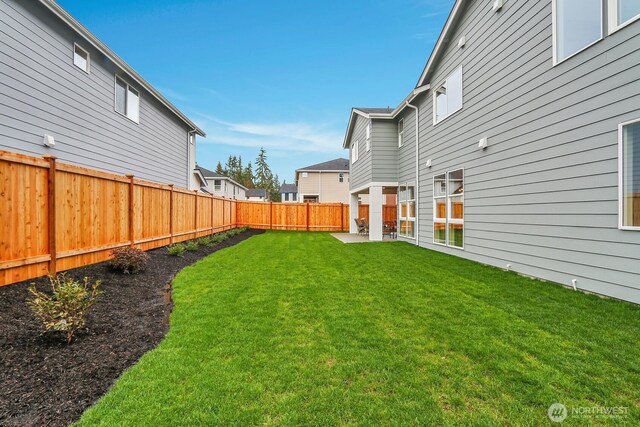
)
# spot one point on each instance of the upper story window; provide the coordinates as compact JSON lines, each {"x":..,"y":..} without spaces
{"x":577,"y":25}
{"x":400,"y":132}
{"x":217,"y":185}
{"x":81,"y":58}
{"x":629,"y":135}
{"x":127,"y":100}
{"x":340,"y":177}
{"x":622,"y":12}
{"x":354,"y":152}
{"x":448,"y":97}
{"x":305,"y":174}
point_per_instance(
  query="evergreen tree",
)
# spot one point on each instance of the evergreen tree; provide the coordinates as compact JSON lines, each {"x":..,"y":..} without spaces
{"x":247,"y":176}
{"x":264,"y":177}
{"x":219,"y":169}
{"x":274,"y":191}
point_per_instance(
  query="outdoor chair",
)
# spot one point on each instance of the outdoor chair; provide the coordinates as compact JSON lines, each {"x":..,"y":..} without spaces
{"x":365,"y":225}
{"x":361,"y":227}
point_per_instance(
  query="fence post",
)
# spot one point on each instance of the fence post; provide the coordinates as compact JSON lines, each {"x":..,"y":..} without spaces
{"x":308,"y":216}
{"x":131,"y":229}
{"x":212,"y":217}
{"x":51,"y":207}
{"x":195,"y":215}
{"x":171,"y":214}
{"x":270,"y":215}
{"x":230,"y":213}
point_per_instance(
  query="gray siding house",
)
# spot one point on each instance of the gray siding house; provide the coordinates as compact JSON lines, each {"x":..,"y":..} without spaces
{"x":64,"y":93}
{"x":528,"y":143}
{"x":221,"y":185}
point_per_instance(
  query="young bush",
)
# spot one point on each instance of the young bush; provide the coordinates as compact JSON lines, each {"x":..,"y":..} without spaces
{"x":219,"y":237}
{"x":177,"y":249}
{"x":205,"y":241}
{"x":191,"y":246}
{"x":129,"y":260}
{"x":67,"y":305}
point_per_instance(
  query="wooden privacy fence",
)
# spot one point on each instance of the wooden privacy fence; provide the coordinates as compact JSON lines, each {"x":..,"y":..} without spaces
{"x":389,"y":212}
{"x":56,"y":216}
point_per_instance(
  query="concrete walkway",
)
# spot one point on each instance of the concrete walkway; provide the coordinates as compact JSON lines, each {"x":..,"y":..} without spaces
{"x":357,"y":238}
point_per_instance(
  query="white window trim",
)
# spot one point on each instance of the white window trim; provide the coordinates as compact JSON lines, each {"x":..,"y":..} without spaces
{"x":554,"y":32}
{"x":447,"y":219}
{"x":129,"y":87}
{"x":401,"y":218}
{"x":401,"y":133}
{"x":355,"y":155}
{"x":613,"y":17}
{"x":445,"y":83}
{"x":73,"y":58}
{"x":620,"y":177}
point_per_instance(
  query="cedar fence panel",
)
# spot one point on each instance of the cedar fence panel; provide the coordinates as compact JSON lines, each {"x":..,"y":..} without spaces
{"x":389,"y":212}
{"x":56,"y":216}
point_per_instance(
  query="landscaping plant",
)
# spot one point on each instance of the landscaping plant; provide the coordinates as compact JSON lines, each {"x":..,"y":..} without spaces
{"x":205,"y":241}
{"x":65,"y":308}
{"x":177,"y":249}
{"x":191,"y":246}
{"x":219,"y":237}
{"x":129,"y":260}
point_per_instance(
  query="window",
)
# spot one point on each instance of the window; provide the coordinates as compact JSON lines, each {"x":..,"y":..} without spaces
{"x":448,"y":97}
{"x":622,"y":12}
{"x":577,"y":24}
{"x":305,"y":174}
{"x":286,"y":197}
{"x":217,"y":185}
{"x":407,"y":212}
{"x":127,"y":100}
{"x":400,"y":132}
{"x":80,"y":58}
{"x":340,"y":177}
{"x":448,"y":209}
{"x":629,"y":136}
{"x":354,"y":152}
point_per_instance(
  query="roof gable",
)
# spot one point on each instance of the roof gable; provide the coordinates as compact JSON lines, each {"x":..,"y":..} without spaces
{"x":338,"y":165}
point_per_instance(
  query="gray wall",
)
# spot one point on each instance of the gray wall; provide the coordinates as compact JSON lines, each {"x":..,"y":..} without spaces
{"x":360,"y":171}
{"x":543,"y":196}
{"x":384,"y":135}
{"x":41,"y":91}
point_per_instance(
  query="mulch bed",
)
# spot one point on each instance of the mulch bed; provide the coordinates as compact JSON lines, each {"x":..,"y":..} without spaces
{"x":44,"y":381}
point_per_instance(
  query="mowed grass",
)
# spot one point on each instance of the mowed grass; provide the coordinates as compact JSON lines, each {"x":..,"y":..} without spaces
{"x":294,"y":328}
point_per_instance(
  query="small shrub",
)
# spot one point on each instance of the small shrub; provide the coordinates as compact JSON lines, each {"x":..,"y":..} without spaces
{"x":67,"y":305}
{"x":129,"y":260}
{"x":205,"y":241}
{"x":177,"y":249}
{"x":191,"y":246}
{"x":219,"y":237}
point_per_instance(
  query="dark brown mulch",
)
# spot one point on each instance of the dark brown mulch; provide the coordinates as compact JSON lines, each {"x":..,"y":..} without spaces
{"x":44,"y":381}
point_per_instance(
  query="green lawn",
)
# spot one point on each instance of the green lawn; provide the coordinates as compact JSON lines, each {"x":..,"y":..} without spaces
{"x":299,"y":329}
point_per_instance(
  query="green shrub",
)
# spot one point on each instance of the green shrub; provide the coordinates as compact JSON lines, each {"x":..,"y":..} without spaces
{"x":128,"y":259}
{"x":177,"y":249}
{"x":65,"y":308}
{"x":206,"y":241}
{"x":219,"y":237}
{"x":191,"y":246}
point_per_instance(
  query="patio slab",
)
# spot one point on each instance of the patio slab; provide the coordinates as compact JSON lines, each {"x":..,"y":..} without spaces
{"x":358,"y":238}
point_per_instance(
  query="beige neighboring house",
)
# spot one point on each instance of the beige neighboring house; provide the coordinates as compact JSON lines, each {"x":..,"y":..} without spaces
{"x":258,"y":195}
{"x":326,"y":182}
{"x":220,"y":185}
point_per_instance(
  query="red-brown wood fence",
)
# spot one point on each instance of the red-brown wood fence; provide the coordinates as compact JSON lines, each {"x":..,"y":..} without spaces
{"x":389,"y":212}
{"x":56,"y":216}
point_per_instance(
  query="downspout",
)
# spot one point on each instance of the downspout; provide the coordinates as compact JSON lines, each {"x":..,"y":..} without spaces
{"x":189,"y":171}
{"x":417,"y":110}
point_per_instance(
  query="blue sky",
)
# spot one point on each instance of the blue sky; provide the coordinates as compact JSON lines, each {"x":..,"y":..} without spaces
{"x":279,"y":74}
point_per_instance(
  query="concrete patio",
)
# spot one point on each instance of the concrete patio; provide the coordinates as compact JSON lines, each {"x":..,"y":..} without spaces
{"x":359,"y":238}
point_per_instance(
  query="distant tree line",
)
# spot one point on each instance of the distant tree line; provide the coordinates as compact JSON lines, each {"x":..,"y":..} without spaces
{"x":244,"y":174}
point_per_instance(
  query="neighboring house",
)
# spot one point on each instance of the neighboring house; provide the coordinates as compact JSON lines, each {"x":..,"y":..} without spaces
{"x":65,"y":93}
{"x":221,"y":185}
{"x":326,"y":182}
{"x":288,"y":193}
{"x":257,"y":194}
{"x":529,"y":143}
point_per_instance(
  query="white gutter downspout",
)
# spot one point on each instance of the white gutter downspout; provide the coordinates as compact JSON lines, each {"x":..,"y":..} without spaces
{"x":417,"y":110}
{"x":189,"y":170}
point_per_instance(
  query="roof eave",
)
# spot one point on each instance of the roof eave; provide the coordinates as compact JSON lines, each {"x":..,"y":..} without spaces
{"x":119,"y":62}
{"x":443,"y":35}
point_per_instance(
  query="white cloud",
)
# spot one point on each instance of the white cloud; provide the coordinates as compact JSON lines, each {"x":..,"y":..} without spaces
{"x":292,"y":137}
